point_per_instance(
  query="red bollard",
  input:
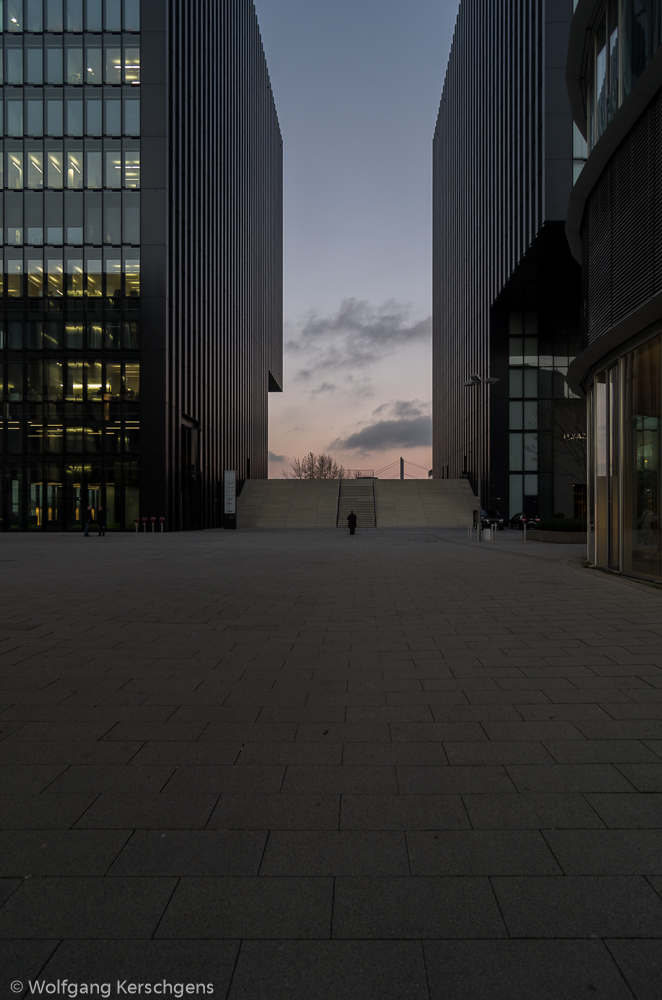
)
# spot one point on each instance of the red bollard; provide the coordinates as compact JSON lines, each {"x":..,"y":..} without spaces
{"x":162,"y":520}
{"x":153,"y":520}
{"x":135,"y":521}
{"x":144,"y":520}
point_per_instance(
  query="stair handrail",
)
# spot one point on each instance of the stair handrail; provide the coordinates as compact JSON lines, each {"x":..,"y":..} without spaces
{"x":338,"y":502}
{"x":374,"y":501}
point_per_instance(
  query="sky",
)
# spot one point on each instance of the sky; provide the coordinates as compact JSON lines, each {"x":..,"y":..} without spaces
{"x":357,"y":86}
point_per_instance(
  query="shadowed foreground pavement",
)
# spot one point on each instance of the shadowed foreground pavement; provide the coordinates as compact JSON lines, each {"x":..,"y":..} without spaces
{"x":304,"y":766}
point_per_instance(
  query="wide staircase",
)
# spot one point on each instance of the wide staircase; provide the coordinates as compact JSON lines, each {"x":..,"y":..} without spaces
{"x":385,"y":503}
{"x":357,"y":495}
{"x":288,"y":503}
{"x":424,"y":503}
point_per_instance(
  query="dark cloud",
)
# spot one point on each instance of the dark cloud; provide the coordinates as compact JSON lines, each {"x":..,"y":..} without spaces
{"x":358,"y":335}
{"x":324,"y":387}
{"x":276,"y":458}
{"x":404,"y":423}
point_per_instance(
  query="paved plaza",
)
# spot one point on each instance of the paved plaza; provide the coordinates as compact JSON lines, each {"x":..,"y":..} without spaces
{"x":296,"y":765}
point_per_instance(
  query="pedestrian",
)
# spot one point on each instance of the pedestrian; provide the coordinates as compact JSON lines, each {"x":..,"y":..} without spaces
{"x":87,"y":520}
{"x":351,"y":521}
{"x":101,"y":521}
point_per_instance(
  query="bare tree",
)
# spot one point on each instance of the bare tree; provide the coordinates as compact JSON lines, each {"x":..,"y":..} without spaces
{"x":570,"y":445}
{"x":315,"y":467}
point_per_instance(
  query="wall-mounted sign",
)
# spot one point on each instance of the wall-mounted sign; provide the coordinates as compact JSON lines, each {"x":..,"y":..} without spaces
{"x":229,"y":498}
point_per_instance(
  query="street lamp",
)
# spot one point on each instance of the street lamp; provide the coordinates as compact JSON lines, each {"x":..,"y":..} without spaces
{"x":476,"y":380}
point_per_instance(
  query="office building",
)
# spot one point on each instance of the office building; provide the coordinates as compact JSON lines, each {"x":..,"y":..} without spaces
{"x":614,"y":227}
{"x":506,"y":292}
{"x":141,"y":310}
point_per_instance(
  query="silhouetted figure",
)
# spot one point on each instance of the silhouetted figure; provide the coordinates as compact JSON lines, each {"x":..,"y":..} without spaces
{"x":351,"y":521}
{"x":101,"y":521}
{"x":87,"y":520}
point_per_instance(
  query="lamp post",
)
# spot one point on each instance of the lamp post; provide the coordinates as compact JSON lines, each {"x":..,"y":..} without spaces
{"x":476,"y":380}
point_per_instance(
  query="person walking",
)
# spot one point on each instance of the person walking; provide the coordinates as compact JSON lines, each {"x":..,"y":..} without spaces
{"x":101,"y":521}
{"x":351,"y":522}
{"x":87,"y":520}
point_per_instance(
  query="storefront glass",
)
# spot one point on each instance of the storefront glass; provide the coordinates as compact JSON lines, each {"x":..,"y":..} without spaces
{"x":625,"y":408}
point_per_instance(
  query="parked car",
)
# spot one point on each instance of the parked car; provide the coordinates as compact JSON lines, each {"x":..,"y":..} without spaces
{"x":489,"y":517}
{"x":518,"y":520}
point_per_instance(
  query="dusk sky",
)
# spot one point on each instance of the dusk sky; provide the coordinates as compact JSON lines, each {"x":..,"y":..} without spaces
{"x":357,"y":86}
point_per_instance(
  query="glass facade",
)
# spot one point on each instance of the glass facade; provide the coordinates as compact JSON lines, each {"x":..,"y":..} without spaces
{"x":626,"y":38}
{"x":542,"y":420}
{"x":625,"y":414}
{"x":70,"y":293}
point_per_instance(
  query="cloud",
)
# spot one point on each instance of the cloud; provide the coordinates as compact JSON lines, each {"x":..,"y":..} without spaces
{"x":276,"y":458}
{"x":324,"y":387}
{"x":404,"y":423}
{"x":356,"y":336}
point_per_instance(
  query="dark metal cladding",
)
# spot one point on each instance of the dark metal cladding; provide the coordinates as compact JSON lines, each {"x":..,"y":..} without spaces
{"x":503,"y":172}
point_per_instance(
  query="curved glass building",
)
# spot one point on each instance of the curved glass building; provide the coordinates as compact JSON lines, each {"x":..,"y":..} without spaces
{"x":614,"y":225}
{"x":141,"y":236}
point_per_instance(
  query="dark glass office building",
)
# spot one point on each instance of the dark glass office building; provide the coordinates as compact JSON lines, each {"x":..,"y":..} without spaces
{"x":506,"y":293}
{"x":614,"y":226}
{"x":141,"y":308}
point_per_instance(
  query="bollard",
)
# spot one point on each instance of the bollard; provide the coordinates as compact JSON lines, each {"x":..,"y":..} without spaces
{"x":524,"y":530}
{"x":135,"y":521}
{"x":162,"y":519}
{"x":469,"y":531}
{"x":144,"y":520}
{"x":153,"y":520}
{"x":494,"y":533}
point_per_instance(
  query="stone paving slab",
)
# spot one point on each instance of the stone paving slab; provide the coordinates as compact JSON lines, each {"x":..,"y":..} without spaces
{"x":307,"y":766}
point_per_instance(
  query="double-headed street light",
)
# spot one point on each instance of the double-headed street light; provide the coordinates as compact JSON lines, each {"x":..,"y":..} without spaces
{"x":476,"y":380}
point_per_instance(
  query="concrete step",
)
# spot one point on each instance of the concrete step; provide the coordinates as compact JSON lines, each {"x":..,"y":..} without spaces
{"x":424,"y":503}
{"x":357,"y":495}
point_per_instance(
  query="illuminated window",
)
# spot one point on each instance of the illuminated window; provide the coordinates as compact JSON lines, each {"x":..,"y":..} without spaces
{"x":15,"y":170}
{"x":55,"y":170}
{"x":55,"y":278}
{"x":35,"y":279}
{"x":75,"y":278}
{"x":75,"y":171}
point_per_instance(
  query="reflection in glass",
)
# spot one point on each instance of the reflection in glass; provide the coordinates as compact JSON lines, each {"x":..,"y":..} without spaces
{"x":132,"y":278}
{"x":113,"y":110}
{"x":93,"y":15}
{"x":132,"y":64}
{"x":15,"y":278}
{"x":15,"y":171}
{"x":516,"y":453}
{"x":75,"y":278}
{"x":95,"y":384}
{"x":75,"y":370}
{"x":54,"y":20}
{"x":113,"y":64}
{"x":94,"y":335}
{"x":74,"y":15}
{"x":13,"y":65}
{"x":114,"y":169}
{"x":93,"y":74}
{"x":73,"y":336}
{"x":14,"y":117}
{"x":14,"y":15}
{"x":55,"y":278}
{"x":33,"y":15}
{"x":74,"y":65}
{"x":113,"y":278}
{"x":55,"y":170}
{"x":54,"y":119}
{"x":93,"y":116}
{"x":35,"y":116}
{"x":94,"y":171}
{"x":35,"y":279}
{"x":94,"y":278}
{"x":54,"y":62}
{"x":113,"y":385}
{"x":75,"y":171}
{"x":132,"y":168}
